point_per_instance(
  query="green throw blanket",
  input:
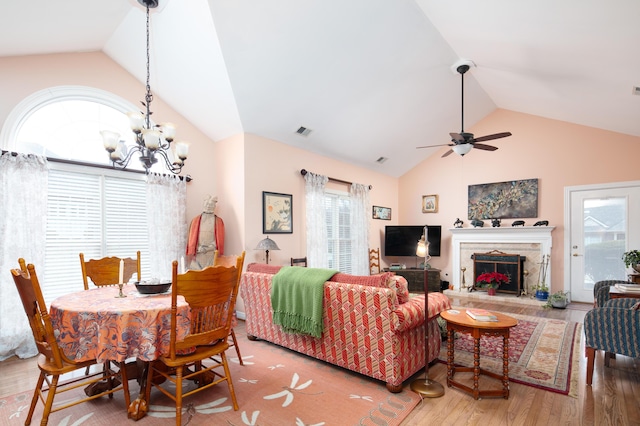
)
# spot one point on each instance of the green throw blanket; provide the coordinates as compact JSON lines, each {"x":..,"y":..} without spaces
{"x":296,"y":298}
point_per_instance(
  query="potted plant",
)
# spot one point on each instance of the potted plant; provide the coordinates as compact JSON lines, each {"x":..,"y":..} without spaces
{"x":632,"y":259}
{"x":542,"y":291}
{"x":491,"y":281}
{"x":559,"y":299}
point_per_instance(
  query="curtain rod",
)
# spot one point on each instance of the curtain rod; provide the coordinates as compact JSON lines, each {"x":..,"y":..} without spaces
{"x":304,"y":172}
{"x":188,"y":178}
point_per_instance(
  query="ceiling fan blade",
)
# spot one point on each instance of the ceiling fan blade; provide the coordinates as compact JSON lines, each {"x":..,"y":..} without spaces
{"x":447,"y":153}
{"x":433,"y":146}
{"x":492,"y":137}
{"x":484,"y":147}
{"x":456,"y":137}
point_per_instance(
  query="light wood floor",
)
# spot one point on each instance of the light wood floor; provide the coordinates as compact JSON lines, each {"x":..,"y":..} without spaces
{"x":614,"y":398}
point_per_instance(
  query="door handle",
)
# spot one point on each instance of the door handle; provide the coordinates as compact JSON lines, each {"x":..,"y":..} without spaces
{"x":576,"y":255}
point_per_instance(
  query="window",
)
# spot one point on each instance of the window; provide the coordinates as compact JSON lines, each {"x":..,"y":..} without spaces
{"x":99,"y":212}
{"x":94,"y":211}
{"x":338,"y":219}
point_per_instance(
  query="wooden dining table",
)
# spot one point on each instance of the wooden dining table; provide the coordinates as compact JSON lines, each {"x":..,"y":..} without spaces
{"x":97,"y":324}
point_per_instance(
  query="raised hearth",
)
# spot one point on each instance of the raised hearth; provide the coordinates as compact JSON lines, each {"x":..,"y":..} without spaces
{"x":532,"y":242}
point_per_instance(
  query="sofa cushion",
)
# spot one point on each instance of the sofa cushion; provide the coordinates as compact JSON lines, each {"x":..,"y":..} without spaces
{"x":263,"y":268}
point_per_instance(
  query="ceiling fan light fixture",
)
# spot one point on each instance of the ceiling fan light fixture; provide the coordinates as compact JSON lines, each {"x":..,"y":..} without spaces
{"x":462,"y":149}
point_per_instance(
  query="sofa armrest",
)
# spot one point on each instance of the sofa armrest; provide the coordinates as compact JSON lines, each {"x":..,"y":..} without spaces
{"x":411,"y":314}
{"x":613,"y":330}
{"x":622,"y":302}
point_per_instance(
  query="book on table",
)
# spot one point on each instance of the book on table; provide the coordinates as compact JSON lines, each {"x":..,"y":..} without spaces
{"x":482,"y":315}
{"x":628,"y":288}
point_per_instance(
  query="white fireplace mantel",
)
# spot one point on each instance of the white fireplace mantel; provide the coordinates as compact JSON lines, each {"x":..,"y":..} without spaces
{"x":500,"y":235}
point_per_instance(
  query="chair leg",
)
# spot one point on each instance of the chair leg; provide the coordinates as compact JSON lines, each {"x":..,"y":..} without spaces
{"x":235,"y":344}
{"x":51,"y":393}
{"x":179,"y":395}
{"x":227,"y":374}
{"x":35,"y":398}
{"x":591,"y":355}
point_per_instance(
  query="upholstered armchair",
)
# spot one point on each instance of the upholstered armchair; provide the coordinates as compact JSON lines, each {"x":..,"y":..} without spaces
{"x":613,"y":328}
{"x":601,"y":291}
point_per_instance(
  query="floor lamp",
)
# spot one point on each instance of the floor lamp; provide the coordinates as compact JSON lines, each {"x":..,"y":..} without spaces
{"x":426,"y":387}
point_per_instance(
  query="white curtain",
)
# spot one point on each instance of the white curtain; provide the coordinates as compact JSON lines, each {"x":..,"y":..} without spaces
{"x":316,"y":222}
{"x":166,"y":211}
{"x":23,"y":224}
{"x":359,"y":195}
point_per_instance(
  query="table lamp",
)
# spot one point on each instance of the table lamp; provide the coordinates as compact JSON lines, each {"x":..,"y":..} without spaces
{"x":267,"y":244}
{"x":426,"y":387}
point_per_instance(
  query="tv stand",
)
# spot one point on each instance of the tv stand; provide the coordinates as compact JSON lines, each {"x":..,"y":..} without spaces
{"x":415,"y":278}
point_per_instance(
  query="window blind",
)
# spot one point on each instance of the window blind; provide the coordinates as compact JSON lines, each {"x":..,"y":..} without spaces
{"x":92,"y":212}
{"x":337,"y":214}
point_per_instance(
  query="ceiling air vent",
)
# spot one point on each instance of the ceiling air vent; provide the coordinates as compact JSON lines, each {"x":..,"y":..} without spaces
{"x":636,"y":90}
{"x":381,"y":160}
{"x":303,"y":131}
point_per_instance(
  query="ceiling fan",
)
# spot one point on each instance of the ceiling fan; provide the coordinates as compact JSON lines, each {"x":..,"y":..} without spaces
{"x":463,"y":142}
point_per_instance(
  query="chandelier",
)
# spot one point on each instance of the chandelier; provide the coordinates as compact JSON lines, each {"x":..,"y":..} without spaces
{"x":151,"y":142}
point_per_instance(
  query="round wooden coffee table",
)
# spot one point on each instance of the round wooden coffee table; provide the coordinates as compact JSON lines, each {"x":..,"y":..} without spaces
{"x":458,"y":320}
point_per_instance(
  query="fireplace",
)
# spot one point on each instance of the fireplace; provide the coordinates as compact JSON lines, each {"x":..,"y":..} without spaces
{"x":511,"y":265}
{"x":530,"y":242}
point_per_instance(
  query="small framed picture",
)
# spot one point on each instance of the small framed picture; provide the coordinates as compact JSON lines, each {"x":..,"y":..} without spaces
{"x":276,"y":213}
{"x":429,"y":204}
{"x":383,"y":213}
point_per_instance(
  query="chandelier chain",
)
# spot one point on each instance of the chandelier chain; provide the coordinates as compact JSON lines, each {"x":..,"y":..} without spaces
{"x":148,"y":96}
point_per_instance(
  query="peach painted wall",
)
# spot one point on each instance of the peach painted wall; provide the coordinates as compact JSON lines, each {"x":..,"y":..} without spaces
{"x":559,"y":154}
{"x":21,"y":76}
{"x":275,"y":167}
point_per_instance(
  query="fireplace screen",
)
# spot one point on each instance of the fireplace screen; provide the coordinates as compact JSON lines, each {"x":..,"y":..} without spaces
{"x":496,"y":261}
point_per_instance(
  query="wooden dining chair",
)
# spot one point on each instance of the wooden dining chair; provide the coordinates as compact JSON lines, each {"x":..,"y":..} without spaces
{"x":299,"y":261}
{"x":230,"y":260}
{"x":52,"y":362}
{"x":106,"y":271}
{"x":374,"y":261}
{"x":211,"y":294}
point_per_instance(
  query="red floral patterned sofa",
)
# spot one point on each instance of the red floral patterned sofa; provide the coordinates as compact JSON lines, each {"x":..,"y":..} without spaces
{"x":371,"y":325}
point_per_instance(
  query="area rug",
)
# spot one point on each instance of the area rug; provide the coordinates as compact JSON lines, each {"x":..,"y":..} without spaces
{"x":543,"y":353}
{"x":276,"y":386}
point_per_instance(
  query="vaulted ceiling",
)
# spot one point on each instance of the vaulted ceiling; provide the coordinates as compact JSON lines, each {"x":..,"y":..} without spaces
{"x":370,"y":78}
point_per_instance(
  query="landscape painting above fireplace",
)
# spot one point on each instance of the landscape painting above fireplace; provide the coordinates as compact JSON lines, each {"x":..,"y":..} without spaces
{"x":504,"y":200}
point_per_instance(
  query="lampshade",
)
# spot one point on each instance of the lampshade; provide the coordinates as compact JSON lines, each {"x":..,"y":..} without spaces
{"x":462,"y":148}
{"x":421,"y":250}
{"x":267,"y":244}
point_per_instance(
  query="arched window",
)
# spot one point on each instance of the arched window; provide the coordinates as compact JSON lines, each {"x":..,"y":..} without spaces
{"x":94,"y":210}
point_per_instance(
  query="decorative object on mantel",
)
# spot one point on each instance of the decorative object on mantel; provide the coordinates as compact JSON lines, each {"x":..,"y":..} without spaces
{"x":513,"y":199}
{"x":491,"y":281}
{"x":458,"y":223}
{"x":149,"y":140}
{"x":267,"y":244}
{"x":429,"y":204}
{"x":631,"y":259}
{"x":495,"y":223}
{"x":518,"y":223}
{"x":477,"y":223}
{"x":541,"y":223}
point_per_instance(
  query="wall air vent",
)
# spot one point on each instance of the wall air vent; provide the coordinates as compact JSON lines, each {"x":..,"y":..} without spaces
{"x":304,"y":131}
{"x":381,"y":160}
{"x":636,"y":90}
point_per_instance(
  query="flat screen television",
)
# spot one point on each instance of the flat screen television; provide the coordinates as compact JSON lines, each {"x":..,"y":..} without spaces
{"x":403,"y":240}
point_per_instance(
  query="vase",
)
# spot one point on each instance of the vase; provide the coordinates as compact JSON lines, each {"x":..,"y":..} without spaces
{"x":491,"y":291}
{"x":542,"y":295}
{"x":636,"y":267}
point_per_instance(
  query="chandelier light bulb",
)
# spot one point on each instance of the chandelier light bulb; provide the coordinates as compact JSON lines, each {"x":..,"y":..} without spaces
{"x":182,"y":150}
{"x":169,"y":131}
{"x":151,"y":138}
{"x":110,"y":140}
{"x":136,"y":121}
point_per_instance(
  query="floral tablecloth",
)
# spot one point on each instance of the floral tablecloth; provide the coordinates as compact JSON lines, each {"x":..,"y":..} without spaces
{"x":95,"y":324}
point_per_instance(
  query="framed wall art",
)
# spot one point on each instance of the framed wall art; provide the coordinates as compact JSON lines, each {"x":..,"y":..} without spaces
{"x":504,"y":200}
{"x":429,"y":204}
{"x":383,"y":213}
{"x":276,"y":213}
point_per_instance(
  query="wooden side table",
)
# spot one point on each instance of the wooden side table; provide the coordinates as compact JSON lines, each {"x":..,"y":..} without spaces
{"x":615,"y":293}
{"x":634,"y":278}
{"x":458,"y":320}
